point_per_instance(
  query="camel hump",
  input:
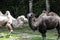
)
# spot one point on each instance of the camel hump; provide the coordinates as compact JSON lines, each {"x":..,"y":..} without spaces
{"x":51,"y":22}
{"x":52,"y":14}
{"x":44,"y":11}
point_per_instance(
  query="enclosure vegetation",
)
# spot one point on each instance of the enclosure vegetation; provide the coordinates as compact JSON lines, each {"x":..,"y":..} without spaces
{"x":19,"y":7}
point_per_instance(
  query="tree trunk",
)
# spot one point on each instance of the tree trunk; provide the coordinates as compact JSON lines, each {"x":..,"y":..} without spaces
{"x":30,"y":6}
{"x":47,"y":6}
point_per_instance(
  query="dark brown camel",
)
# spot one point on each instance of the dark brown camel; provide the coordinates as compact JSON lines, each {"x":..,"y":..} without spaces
{"x":44,"y":22}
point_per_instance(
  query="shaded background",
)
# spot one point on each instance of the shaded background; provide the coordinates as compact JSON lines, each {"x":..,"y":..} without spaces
{"x":21,"y":7}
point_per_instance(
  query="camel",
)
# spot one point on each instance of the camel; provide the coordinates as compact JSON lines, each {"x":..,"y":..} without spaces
{"x":10,"y":22}
{"x":14,"y":23}
{"x":20,"y":21}
{"x":44,"y":22}
{"x":4,"y":22}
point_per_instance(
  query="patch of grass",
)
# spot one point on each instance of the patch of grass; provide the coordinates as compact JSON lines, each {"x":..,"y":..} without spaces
{"x":37,"y":38}
{"x":18,"y":34}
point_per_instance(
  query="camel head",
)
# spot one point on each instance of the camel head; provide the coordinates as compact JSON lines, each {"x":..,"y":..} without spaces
{"x":23,"y":18}
{"x":31,"y":21}
{"x":30,"y":15}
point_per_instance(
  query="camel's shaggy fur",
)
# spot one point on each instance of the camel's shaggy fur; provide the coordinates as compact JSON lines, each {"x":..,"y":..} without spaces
{"x":44,"y":22}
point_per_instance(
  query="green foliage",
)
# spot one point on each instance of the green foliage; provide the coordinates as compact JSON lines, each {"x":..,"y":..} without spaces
{"x":38,"y":6}
{"x":21,"y":7}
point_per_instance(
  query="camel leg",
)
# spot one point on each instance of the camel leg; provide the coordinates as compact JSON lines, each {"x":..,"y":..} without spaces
{"x":58,"y":34}
{"x":58,"y":30}
{"x":10,"y":28}
{"x":44,"y":36}
{"x":43,"y":32}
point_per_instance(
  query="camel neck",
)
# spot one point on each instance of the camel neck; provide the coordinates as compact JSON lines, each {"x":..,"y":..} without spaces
{"x":31,"y":24}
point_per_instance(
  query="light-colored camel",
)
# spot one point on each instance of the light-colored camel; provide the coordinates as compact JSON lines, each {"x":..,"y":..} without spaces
{"x":11,"y":22}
